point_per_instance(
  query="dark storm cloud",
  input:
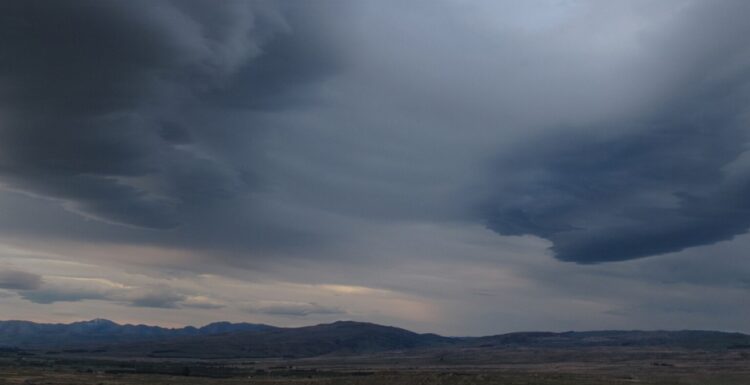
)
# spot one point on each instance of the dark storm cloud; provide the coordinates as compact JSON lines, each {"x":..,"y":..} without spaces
{"x":96,"y":97}
{"x":272,"y":80}
{"x":676,"y":177}
{"x":147,"y":113}
{"x":635,"y":197}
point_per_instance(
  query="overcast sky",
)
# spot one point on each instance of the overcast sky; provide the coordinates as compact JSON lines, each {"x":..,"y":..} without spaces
{"x":449,"y":166}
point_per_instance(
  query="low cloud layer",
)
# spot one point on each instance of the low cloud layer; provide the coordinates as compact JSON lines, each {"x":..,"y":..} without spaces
{"x":19,"y":280}
{"x":34,"y":288}
{"x":293,"y":309}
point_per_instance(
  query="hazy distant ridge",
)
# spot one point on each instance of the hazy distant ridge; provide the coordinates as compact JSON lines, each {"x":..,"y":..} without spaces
{"x":101,"y":331}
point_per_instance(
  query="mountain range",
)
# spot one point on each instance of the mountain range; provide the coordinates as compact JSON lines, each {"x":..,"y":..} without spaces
{"x":232,"y":340}
{"x":27,"y":334}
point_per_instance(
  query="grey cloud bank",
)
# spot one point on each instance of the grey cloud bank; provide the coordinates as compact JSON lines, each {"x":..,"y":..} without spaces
{"x":293,"y":309}
{"x":96,"y":95}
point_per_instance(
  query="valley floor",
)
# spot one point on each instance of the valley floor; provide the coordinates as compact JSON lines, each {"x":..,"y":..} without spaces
{"x":432,"y":367}
{"x":37,"y":376}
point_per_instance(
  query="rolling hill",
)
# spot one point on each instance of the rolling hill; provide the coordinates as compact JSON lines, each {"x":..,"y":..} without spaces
{"x":345,"y":338}
{"x":342,"y":338}
{"x":688,"y":339}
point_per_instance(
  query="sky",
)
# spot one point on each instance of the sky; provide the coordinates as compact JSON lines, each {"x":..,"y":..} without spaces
{"x":449,"y":166}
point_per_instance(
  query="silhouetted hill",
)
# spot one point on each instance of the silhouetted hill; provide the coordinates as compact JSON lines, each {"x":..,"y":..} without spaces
{"x":691,"y":339}
{"x":28,"y":334}
{"x":230,"y":340}
{"x":342,"y":337}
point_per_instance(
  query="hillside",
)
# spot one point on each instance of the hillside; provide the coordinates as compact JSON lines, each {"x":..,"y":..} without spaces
{"x":689,"y":339}
{"x":342,"y":337}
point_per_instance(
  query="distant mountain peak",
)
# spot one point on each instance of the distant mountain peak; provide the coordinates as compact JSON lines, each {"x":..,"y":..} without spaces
{"x":101,"y":321}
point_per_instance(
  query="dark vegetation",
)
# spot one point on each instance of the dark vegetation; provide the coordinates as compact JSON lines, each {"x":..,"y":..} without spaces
{"x":509,"y":366}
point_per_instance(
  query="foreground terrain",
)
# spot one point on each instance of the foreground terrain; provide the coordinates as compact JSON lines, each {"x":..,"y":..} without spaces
{"x":432,"y":366}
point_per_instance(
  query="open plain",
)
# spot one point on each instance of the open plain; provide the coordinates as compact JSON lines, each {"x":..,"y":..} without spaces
{"x":589,"y":366}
